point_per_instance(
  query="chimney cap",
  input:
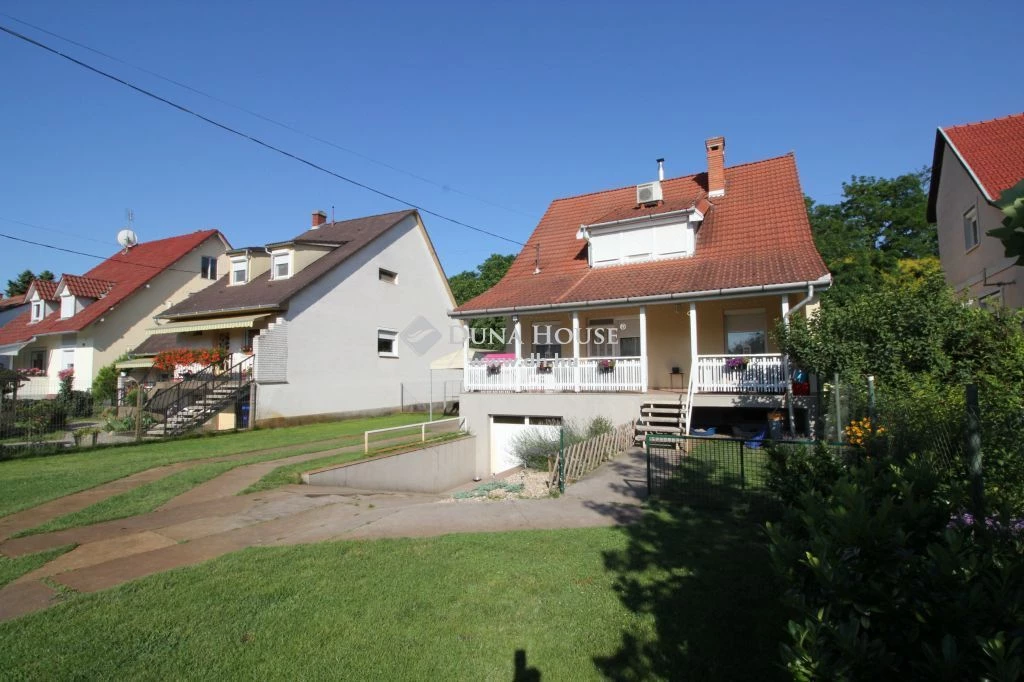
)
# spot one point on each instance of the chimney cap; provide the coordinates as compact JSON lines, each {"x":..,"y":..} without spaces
{"x":713,"y":143}
{"x":319,"y":218}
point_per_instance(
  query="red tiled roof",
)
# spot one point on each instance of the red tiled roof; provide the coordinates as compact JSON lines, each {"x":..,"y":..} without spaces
{"x":993,"y":150}
{"x":86,"y":287}
{"x":757,"y":234}
{"x":47,"y":289}
{"x":127,"y":272}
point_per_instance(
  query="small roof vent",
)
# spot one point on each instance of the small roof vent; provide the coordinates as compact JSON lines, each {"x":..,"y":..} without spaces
{"x":648,"y":193}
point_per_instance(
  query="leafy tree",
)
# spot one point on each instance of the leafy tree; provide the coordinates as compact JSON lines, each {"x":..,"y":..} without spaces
{"x":878,"y":223}
{"x":19,"y":285}
{"x":104,"y":386}
{"x":1011,"y":234}
{"x":471,"y":283}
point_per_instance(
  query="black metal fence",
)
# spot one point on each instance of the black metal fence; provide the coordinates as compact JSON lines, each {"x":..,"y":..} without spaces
{"x":37,"y":424}
{"x":712,"y":471}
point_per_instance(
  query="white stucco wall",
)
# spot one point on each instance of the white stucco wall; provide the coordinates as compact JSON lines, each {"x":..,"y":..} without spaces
{"x":967,"y":271}
{"x":332,"y":363}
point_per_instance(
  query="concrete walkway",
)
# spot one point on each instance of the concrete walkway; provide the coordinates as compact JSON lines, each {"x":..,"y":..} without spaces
{"x":213,"y":520}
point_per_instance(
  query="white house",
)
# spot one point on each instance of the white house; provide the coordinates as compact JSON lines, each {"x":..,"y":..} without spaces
{"x":652,"y":302}
{"x":339,"y":320}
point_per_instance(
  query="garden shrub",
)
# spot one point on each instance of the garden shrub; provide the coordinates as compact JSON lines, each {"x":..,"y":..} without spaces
{"x":883,"y":585}
{"x":537,"y":450}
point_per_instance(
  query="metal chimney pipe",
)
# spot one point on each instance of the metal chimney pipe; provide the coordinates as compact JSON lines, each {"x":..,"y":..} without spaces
{"x":661,"y":169}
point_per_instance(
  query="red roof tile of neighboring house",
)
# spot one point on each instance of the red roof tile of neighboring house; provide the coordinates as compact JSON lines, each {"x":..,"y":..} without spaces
{"x":46,"y":289}
{"x":757,"y":234}
{"x":12,"y":302}
{"x":125,"y":272}
{"x":86,"y":287}
{"x":992,"y":151}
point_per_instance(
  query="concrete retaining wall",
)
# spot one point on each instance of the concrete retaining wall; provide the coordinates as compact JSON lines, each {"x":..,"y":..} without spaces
{"x":432,"y":469}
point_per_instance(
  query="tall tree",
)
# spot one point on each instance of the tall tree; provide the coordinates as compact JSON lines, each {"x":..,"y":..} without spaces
{"x":1011,"y":234}
{"x":471,"y":283}
{"x":19,"y":285}
{"x":878,"y":223}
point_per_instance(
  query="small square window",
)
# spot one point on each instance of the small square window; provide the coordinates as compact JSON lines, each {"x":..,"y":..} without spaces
{"x":971,"y":236}
{"x":209,"y":268}
{"x":239,"y":271}
{"x":387,"y":276}
{"x":37,"y":311}
{"x":281,"y":265}
{"x":387,"y":343}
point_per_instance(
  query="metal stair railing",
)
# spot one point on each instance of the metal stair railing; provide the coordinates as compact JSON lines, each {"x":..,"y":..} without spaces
{"x":208,"y":389}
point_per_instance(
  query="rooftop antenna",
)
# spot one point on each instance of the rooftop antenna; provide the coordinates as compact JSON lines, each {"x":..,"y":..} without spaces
{"x":536,"y":269}
{"x":127,"y":237}
{"x":332,"y":213}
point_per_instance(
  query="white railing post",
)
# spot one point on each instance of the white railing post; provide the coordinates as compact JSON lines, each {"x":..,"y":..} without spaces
{"x":693,"y":332}
{"x":576,"y":350}
{"x":643,"y":349}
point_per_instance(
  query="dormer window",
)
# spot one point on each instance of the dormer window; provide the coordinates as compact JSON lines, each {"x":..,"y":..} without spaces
{"x":281,"y":264}
{"x":67,"y":306}
{"x":208,"y":267}
{"x":239,"y":270}
{"x":38,"y":311}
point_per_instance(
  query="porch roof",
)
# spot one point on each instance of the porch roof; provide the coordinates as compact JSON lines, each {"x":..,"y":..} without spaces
{"x":138,"y":363}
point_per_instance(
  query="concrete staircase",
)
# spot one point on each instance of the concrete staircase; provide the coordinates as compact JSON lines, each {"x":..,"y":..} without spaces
{"x":665,"y":416}
{"x":193,"y":416}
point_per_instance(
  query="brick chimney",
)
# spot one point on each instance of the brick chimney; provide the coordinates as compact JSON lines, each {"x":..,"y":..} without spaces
{"x":716,"y":166}
{"x":319,"y":218}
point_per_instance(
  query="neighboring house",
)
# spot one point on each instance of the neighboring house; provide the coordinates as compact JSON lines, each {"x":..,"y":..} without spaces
{"x":647,"y":302}
{"x":87,"y":322}
{"x":10,"y":308}
{"x":332,"y":322}
{"x":973,"y":165}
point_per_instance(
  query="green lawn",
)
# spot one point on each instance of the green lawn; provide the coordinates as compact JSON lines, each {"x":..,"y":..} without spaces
{"x":678,"y":596}
{"x":12,"y":569}
{"x":28,"y":482}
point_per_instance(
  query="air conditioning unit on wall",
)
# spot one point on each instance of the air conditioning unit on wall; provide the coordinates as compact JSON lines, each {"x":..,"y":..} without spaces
{"x":648,"y":193}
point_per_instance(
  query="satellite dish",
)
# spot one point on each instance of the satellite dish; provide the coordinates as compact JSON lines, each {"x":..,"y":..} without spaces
{"x":127,"y":238}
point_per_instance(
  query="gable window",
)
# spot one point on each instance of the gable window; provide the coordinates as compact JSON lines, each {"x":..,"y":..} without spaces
{"x":209,"y":268}
{"x":971,"y":228}
{"x":387,"y":343}
{"x":239,"y":270}
{"x":37,"y":359}
{"x":37,"y":311}
{"x":67,"y":306}
{"x":281,"y":264}
{"x":387,"y":276}
{"x":745,"y":332}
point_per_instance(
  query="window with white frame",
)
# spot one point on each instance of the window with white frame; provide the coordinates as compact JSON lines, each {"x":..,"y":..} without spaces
{"x":387,"y":343}
{"x":602,"y":336}
{"x":971,"y":236}
{"x":67,"y":306}
{"x":387,"y":276}
{"x":281,"y":264}
{"x":38,"y":310}
{"x":208,"y":268}
{"x":545,"y":343}
{"x":239,"y":270}
{"x":745,"y":332}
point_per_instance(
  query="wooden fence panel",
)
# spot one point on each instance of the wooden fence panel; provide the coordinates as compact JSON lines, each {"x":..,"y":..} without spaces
{"x":582,"y":458}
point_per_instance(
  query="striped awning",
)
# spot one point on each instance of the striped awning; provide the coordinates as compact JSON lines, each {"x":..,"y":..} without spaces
{"x":139,"y":363}
{"x":237,"y":322}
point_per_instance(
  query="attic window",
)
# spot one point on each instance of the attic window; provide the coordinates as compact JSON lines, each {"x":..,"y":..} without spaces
{"x":387,"y":276}
{"x":239,"y":270}
{"x":67,"y":306}
{"x":971,"y":237}
{"x":281,"y":264}
{"x":209,"y":268}
{"x":37,"y":311}
{"x":387,"y":343}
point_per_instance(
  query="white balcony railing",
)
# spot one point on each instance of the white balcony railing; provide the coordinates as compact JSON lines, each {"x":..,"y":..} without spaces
{"x":763,"y":373}
{"x":556,"y":375}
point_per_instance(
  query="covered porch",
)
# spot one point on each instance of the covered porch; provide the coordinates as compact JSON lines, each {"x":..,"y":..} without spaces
{"x":719,"y":346}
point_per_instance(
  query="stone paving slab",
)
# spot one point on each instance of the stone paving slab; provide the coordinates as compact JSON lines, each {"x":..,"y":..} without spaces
{"x":21,"y":598}
{"x":101,"y":552}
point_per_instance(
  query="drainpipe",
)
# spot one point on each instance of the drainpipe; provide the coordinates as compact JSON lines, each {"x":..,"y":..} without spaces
{"x":789,"y":380}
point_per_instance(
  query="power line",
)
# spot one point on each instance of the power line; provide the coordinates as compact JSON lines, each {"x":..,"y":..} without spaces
{"x":54,"y":229}
{"x":262,"y":117}
{"x":93,"y":255}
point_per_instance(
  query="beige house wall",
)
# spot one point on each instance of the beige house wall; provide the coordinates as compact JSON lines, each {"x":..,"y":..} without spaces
{"x":983,"y":270}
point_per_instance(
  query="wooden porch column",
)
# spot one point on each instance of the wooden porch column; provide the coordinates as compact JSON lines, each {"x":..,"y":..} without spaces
{"x":576,"y":350}
{"x":518,"y":336}
{"x":643,"y":349}
{"x":693,"y":339}
{"x":785,"y":310}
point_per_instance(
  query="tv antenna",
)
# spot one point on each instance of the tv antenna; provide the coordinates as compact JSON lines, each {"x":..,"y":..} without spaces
{"x":127,"y":237}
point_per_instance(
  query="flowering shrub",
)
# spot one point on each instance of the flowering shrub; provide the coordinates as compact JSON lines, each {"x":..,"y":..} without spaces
{"x":606,"y":365}
{"x":169,"y":359}
{"x":66,"y":374}
{"x":859,"y":431}
{"x":738,"y":362}
{"x":32,"y":372}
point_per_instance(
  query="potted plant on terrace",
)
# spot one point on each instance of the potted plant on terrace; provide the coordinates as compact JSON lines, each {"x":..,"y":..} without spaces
{"x":606,"y":366}
{"x":737,"y":363}
{"x":544,"y":367}
{"x":493,"y":368}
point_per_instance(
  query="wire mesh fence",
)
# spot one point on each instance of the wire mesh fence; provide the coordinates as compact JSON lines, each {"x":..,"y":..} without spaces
{"x":38,"y":424}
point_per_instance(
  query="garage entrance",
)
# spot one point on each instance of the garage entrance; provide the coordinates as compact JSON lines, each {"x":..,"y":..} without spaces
{"x":504,"y":431}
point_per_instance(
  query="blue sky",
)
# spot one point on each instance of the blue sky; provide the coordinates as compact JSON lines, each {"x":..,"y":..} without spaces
{"x":502,"y":106}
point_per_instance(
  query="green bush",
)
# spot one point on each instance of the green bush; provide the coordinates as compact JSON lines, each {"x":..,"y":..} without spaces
{"x":78,"y":403}
{"x":884,"y":586}
{"x":36,"y":418}
{"x":537,"y":450}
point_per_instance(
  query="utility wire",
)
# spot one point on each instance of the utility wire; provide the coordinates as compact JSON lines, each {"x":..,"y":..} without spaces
{"x":54,"y":229}
{"x":93,"y":255}
{"x":285,"y":126}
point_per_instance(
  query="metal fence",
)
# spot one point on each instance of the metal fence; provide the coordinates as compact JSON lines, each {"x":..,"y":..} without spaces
{"x":35,"y":424}
{"x":713,"y":471}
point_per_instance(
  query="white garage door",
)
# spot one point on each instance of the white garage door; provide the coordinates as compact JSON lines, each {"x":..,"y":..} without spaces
{"x":504,"y":431}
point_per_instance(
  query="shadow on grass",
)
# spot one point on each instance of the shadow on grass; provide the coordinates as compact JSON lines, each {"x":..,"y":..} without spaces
{"x":704,"y":576}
